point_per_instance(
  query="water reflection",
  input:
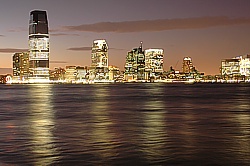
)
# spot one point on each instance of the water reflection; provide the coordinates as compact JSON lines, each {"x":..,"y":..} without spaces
{"x":41,"y":124}
{"x":125,"y":124}
{"x":241,"y":118}
{"x":154,"y":136}
{"x":101,"y":137}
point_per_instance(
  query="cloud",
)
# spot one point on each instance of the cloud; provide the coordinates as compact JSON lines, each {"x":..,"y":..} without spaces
{"x":57,"y":62}
{"x":79,"y":49}
{"x":63,"y":34}
{"x":116,"y":49}
{"x":19,"y":29}
{"x":158,"y":25}
{"x":12,"y":50}
{"x":53,"y":32}
{"x":88,"y":49}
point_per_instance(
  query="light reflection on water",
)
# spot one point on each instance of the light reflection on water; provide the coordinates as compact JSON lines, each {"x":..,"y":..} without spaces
{"x":102,"y":137}
{"x":154,"y":135}
{"x":41,"y":124}
{"x":242,"y":119}
{"x":125,"y":124}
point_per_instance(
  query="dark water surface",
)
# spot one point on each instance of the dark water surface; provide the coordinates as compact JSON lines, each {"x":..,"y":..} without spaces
{"x":125,"y":124}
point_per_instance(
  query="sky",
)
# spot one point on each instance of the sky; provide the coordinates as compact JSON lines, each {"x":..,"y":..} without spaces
{"x":205,"y":30}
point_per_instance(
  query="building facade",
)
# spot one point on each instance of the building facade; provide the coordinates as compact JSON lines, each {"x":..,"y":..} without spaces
{"x":245,"y":65}
{"x":70,"y":74}
{"x":114,"y":73}
{"x":135,"y":65}
{"x":38,"y":47}
{"x":230,"y":68}
{"x":153,"y":63}
{"x":58,"y":74}
{"x":187,"y":65}
{"x":82,"y":73}
{"x":99,"y":61}
{"x":20,"y":66}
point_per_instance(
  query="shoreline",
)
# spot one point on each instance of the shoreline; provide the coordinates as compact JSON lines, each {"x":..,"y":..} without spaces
{"x":167,"y":81}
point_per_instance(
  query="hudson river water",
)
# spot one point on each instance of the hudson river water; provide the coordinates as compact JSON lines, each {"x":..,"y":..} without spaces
{"x":125,"y":124}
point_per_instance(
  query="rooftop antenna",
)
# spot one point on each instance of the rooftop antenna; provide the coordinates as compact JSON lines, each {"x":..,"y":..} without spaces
{"x":141,"y":44}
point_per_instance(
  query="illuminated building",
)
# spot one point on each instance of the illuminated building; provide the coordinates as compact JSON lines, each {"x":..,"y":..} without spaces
{"x":230,"y":67}
{"x":153,"y":63}
{"x":75,"y":74}
{"x":187,"y":65}
{"x":245,"y":65}
{"x":38,"y":47}
{"x":70,"y":73}
{"x":99,"y":60}
{"x":135,"y":65}
{"x":20,"y":66}
{"x":58,"y":74}
{"x":114,"y":73}
{"x":5,"y":79}
{"x":235,"y":67}
{"x":129,"y":73}
{"x":82,"y":73}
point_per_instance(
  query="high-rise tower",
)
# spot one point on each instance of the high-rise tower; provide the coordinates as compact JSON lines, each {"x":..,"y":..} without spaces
{"x":99,"y":60}
{"x":187,"y":65}
{"x":38,"y":47}
{"x":135,"y":65}
{"x":153,"y":63}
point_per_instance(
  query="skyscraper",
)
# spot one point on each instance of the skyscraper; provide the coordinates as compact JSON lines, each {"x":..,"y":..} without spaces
{"x":153,"y":63}
{"x":99,"y":61}
{"x":135,"y":65}
{"x":38,"y":47}
{"x":187,"y":65}
{"x":20,"y":66}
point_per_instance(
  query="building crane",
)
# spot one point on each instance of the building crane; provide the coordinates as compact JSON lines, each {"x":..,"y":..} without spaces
{"x":176,"y":64}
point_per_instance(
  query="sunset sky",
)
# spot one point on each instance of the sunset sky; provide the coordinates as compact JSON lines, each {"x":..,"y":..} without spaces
{"x":206,"y":30}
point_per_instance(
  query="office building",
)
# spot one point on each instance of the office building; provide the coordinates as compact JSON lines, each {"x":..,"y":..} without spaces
{"x":70,"y":73}
{"x":20,"y":66}
{"x":245,"y":65}
{"x":129,"y":73}
{"x":153,"y":63}
{"x":114,"y":73}
{"x":38,"y":47}
{"x":99,"y":61}
{"x":58,"y":74}
{"x":135,"y":65}
{"x":187,"y":65}
{"x":230,"y":67}
{"x":82,"y":73}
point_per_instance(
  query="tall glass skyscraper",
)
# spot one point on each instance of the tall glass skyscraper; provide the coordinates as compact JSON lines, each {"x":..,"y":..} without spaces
{"x":38,"y":47}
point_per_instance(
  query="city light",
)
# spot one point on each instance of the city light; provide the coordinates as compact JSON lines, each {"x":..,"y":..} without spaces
{"x":140,"y":66}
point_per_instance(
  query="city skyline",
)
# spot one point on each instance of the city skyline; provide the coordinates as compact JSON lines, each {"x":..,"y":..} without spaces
{"x":207,"y":31}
